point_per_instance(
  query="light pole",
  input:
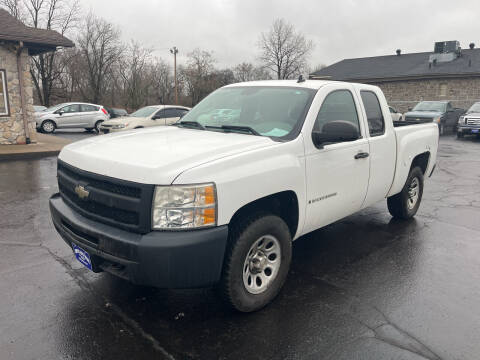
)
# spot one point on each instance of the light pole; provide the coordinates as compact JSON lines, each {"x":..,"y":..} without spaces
{"x":174,"y":51}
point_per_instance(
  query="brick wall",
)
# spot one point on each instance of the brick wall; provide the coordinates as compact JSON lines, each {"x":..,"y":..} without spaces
{"x":462,"y":92}
{"x":11,"y":128}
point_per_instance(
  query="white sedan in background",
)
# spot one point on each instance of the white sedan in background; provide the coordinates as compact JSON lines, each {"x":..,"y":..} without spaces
{"x":154,"y":115}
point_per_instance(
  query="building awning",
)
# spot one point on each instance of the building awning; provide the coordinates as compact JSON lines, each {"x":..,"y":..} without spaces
{"x":36,"y":40}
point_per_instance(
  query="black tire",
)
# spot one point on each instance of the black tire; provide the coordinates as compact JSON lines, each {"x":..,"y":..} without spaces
{"x":441,"y":129}
{"x":400,"y":205}
{"x":97,"y":125}
{"x":459,"y":135}
{"x":89,"y":129}
{"x":138,"y":127}
{"x":48,"y":126}
{"x":242,"y":237}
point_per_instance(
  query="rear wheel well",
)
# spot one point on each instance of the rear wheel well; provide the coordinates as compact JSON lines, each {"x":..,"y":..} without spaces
{"x":283,"y":204}
{"x":421,"y":160}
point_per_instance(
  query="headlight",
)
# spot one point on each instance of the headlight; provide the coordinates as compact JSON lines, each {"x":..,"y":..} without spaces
{"x":186,"y":206}
{"x":461,"y":119}
{"x":437,"y":120}
{"x":119,"y":126}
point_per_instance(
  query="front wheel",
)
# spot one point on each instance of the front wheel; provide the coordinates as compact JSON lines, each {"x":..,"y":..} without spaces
{"x":257,"y":262}
{"x":48,"y":126}
{"x":459,"y":135}
{"x":441,"y":129}
{"x":405,"y":204}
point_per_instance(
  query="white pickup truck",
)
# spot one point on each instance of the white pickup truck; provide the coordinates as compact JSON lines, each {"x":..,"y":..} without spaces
{"x":218,"y":200}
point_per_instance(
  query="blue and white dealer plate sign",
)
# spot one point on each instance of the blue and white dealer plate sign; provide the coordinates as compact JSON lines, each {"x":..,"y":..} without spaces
{"x":82,"y":256}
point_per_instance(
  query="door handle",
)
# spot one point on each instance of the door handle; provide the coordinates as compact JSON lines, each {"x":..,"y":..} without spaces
{"x":361,"y":155}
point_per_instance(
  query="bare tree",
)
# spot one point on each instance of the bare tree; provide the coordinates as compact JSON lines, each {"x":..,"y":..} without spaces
{"x":132,"y":69}
{"x":283,"y":50}
{"x":100,"y":46}
{"x":249,"y":72}
{"x":14,"y":7}
{"x":162,"y":82}
{"x":196,"y":75}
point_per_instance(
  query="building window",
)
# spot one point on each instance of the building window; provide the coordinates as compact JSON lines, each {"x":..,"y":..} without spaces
{"x":443,"y":89}
{"x":4,"y":110}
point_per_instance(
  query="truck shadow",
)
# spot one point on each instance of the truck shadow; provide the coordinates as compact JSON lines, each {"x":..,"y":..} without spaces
{"x":313,"y":304}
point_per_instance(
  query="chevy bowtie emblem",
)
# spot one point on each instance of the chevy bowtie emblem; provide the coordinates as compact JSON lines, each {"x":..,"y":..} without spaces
{"x":81,"y":192}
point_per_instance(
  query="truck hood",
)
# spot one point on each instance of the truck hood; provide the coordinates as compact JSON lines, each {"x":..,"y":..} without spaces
{"x":424,"y":114}
{"x":472,"y":115}
{"x":156,"y":155}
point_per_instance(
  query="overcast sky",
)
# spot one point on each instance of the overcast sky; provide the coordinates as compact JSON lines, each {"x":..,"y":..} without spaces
{"x":339,"y":28}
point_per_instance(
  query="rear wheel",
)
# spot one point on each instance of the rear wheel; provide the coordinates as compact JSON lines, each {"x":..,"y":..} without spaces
{"x":97,"y":125}
{"x":48,"y":126}
{"x":257,"y":262}
{"x":405,"y":204}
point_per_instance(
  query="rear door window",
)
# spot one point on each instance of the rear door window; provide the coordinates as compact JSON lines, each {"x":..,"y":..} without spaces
{"x":88,"y":108}
{"x":376,"y":122}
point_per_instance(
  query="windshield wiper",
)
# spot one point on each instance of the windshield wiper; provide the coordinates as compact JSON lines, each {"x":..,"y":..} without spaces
{"x":240,"y":128}
{"x":195,"y":124}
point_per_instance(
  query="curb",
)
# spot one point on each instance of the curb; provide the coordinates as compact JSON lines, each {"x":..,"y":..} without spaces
{"x":28,"y":155}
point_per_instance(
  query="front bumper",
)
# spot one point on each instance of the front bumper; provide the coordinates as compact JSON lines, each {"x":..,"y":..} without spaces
{"x":468,"y":129}
{"x":167,"y":259}
{"x":107,"y":130}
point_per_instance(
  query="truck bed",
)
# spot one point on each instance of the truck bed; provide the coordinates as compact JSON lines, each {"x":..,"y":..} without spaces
{"x":413,"y":139}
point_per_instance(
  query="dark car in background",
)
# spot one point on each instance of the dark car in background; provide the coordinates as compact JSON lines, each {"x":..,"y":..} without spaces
{"x":469,"y":123}
{"x":440,"y":112}
{"x":115,"y":112}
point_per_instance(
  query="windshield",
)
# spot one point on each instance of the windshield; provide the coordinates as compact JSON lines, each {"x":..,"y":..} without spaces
{"x":474,"y":108}
{"x":144,"y":112}
{"x":430,"y":106}
{"x":267,"y":111}
{"x":55,"y":107}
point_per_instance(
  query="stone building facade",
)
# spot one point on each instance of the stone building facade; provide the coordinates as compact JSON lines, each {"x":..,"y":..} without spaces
{"x":17,"y":43}
{"x":402,"y":95}
{"x":12,"y":130}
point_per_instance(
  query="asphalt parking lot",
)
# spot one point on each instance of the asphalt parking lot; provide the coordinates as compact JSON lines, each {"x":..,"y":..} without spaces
{"x":366,"y":287}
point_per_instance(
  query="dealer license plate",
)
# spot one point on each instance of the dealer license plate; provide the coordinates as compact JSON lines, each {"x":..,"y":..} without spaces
{"x":82,"y":256}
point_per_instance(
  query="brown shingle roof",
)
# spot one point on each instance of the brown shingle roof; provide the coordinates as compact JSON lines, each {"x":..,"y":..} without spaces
{"x":12,"y":29}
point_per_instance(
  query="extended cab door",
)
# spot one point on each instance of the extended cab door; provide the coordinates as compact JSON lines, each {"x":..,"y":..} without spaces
{"x":337,"y":173}
{"x":382,"y":140}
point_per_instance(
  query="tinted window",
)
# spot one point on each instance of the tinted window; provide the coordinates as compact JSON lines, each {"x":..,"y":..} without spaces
{"x":86,"y":108}
{"x":338,"y":105}
{"x":71,"y":108}
{"x":119,"y":111}
{"x":376,"y":124}
{"x":159,"y":114}
{"x":169,"y":113}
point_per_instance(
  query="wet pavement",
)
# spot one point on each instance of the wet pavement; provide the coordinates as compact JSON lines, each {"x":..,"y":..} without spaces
{"x":367,"y":287}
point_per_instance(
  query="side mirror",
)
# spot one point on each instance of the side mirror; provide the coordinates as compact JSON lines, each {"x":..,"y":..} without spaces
{"x":334,"y":132}
{"x":410,"y":109}
{"x":156,"y":117}
{"x":60,"y":112}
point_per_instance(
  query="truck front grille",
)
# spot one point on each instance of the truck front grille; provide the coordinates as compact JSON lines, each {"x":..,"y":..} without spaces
{"x":472,"y":121}
{"x":418,"y":118}
{"x":116,"y":202}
